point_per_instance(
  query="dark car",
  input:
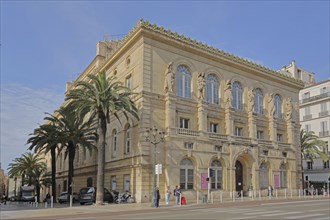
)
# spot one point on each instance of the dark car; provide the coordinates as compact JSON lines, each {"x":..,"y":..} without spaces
{"x":88,"y":195}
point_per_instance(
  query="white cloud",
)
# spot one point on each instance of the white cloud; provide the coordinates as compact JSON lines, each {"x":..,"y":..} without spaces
{"x":22,"y":110}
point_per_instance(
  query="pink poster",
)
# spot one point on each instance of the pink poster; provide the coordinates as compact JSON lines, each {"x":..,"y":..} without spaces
{"x":204,"y":181}
{"x":276,"y":181}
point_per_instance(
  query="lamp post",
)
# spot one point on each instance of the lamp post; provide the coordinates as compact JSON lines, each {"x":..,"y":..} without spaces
{"x":155,"y":137}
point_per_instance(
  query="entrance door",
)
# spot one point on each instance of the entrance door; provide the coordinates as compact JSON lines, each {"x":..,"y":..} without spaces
{"x":239,"y":176}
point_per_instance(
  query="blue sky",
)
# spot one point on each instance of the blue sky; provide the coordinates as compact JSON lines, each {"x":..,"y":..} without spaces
{"x":44,"y":44}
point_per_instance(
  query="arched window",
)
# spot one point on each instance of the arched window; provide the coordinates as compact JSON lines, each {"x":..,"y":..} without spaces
{"x":183,"y":82}
{"x":216,"y":174}
{"x":259,"y":102}
{"x":186,"y":174}
{"x":283,"y":176}
{"x":128,"y":139}
{"x":237,"y":93}
{"x":114,"y":143}
{"x":278,"y":106}
{"x":263,"y":176}
{"x":212,"y":89}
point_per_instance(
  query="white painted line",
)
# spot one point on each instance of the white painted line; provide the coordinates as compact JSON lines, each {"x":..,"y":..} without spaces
{"x":293,"y":202}
{"x":324,"y":218}
{"x":303,"y":216}
{"x":282,"y":213}
{"x":263,"y":212}
{"x":318,"y":210}
{"x":249,"y":217}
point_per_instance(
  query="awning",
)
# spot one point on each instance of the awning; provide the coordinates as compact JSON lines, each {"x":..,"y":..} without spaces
{"x":317,"y":177}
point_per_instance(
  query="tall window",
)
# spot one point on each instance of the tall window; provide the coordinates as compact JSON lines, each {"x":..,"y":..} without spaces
{"x":258,"y":102}
{"x":113,"y":183}
{"x":324,"y":107}
{"x":260,"y":134}
{"x":263,"y":176}
{"x":237,"y":93}
{"x":216,"y":178}
{"x":128,"y":139}
{"x":184,"y":123}
{"x":89,"y":182}
{"x":326,"y":164}
{"x":278,"y":106}
{"x":183,"y":82}
{"x":308,"y":127}
{"x":212,"y":89}
{"x":283,"y":176}
{"x":127,"y":182}
{"x":129,"y":82}
{"x":309,"y":165}
{"x":238,"y":131}
{"x":307,"y":110}
{"x":114,"y":143}
{"x":323,"y":126}
{"x":213,"y":128}
{"x":186,"y":174}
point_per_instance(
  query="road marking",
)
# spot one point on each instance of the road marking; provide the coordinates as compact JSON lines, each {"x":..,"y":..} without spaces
{"x":282,"y":213}
{"x":263,"y":212}
{"x":324,"y":218}
{"x":248,"y":217}
{"x":293,"y":202}
{"x":318,"y":210}
{"x":303,"y":216}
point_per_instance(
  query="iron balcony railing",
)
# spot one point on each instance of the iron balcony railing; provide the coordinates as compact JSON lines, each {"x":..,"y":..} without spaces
{"x":317,"y":97}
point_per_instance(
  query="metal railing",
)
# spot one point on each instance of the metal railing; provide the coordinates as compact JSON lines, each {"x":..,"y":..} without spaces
{"x":313,"y":98}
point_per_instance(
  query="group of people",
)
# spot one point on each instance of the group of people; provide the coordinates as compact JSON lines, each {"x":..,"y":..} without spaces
{"x":179,"y":198}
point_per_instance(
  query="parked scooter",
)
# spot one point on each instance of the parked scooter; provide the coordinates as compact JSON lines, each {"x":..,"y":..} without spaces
{"x":125,"y":197}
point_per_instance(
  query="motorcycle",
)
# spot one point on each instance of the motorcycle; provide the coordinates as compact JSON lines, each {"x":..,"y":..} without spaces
{"x":125,"y":197}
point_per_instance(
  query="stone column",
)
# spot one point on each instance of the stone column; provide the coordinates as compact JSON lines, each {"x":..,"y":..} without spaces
{"x":169,"y":111}
{"x":252,"y":126}
{"x":229,"y":122}
{"x":202,"y":117}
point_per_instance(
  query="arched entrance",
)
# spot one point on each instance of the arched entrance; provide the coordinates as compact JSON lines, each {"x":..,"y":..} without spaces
{"x":239,"y":175}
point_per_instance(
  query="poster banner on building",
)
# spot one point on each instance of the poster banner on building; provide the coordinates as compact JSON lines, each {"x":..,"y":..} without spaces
{"x":204,"y":182}
{"x":276,"y":181}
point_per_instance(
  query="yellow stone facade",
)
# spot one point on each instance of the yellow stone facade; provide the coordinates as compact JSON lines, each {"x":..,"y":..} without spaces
{"x":241,"y":144}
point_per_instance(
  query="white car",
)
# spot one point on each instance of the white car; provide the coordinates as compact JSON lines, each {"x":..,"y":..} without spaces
{"x":64,"y":197}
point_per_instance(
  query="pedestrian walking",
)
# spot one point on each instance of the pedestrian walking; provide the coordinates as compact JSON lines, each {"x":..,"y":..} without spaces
{"x":168,"y":195}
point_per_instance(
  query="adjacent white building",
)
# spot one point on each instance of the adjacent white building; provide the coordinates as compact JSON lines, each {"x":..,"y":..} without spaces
{"x":314,"y":116}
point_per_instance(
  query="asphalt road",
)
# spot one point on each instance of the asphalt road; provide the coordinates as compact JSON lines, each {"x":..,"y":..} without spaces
{"x":315,"y":209}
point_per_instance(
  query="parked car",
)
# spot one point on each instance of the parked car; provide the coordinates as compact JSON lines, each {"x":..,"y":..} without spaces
{"x":63,"y":198}
{"x":88,"y":195}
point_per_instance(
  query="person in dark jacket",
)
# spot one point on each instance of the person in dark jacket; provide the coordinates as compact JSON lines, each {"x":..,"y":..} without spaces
{"x":156,"y":197}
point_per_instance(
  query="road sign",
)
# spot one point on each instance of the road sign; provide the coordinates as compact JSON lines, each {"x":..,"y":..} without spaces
{"x":158,"y":169}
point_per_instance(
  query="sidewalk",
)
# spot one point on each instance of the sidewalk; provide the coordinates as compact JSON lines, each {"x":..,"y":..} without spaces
{"x":137,"y":207}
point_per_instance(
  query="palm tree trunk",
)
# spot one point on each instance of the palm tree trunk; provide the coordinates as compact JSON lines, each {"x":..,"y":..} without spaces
{"x":102,"y":130}
{"x":70,"y":172}
{"x":53,"y":156}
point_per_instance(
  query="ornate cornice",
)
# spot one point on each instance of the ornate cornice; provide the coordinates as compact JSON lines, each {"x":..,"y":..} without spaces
{"x":146,"y":25}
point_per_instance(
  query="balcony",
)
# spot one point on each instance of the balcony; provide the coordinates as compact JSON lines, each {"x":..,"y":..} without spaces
{"x":187,"y":132}
{"x":323,"y":133}
{"x":217,"y":136}
{"x":307,"y":117}
{"x":325,"y":113}
{"x":314,"y":98}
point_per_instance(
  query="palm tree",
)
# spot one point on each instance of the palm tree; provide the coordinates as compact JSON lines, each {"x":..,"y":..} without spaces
{"x":311,"y":147}
{"x":102,"y":97}
{"x":45,"y":139}
{"x":73,"y":132}
{"x":31,"y":167}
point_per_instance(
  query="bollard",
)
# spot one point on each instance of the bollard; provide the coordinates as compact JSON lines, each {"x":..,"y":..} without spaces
{"x":285,"y":193}
{"x":36,"y":204}
{"x":180,"y":199}
{"x":241,"y":195}
{"x":51,"y":202}
{"x":291,"y":193}
{"x":220,"y":196}
{"x":71,"y":201}
{"x":45,"y":205}
{"x":234,"y":195}
{"x":299,"y":193}
{"x":259,"y":194}
{"x":276,"y":193}
{"x":211,"y":197}
{"x":197,"y":197}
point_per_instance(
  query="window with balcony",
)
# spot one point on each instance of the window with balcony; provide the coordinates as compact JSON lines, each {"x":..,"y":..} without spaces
{"x":212,"y":89}
{"x":260,"y":135}
{"x":324,"y":129}
{"x":184,"y":123}
{"x":326,"y":164}
{"x":213,"y":128}
{"x":238,"y":131}
{"x":324,"y":109}
{"x":309,"y":165}
{"x":183,"y":81}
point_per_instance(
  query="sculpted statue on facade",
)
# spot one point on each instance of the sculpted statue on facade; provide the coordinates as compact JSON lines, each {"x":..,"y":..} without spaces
{"x":252,"y":93}
{"x":271,"y":104}
{"x":227,"y":93}
{"x":169,"y":78}
{"x":201,"y":85}
{"x":289,"y":109}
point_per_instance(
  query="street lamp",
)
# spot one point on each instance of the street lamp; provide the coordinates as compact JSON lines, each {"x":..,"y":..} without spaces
{"x":155,"y":137}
